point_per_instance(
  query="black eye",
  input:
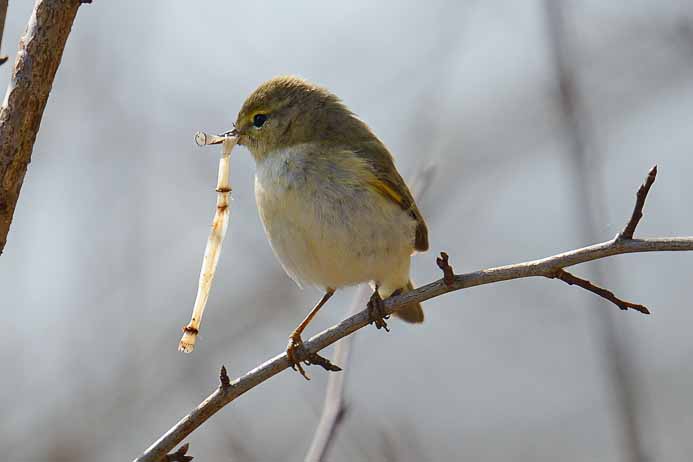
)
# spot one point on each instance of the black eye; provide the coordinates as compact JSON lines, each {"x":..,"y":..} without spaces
{"x":259,"y":120}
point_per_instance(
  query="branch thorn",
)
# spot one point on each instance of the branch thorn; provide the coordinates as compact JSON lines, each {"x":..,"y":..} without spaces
{"x":179,"y":455}
{"x":325,"y":363}
{"x":448,"y":275}
{"x":640,"y":197}
{"x":224,"y":378}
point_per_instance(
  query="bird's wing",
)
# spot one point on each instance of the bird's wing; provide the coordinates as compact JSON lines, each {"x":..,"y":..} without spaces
{"x":388,"y":182}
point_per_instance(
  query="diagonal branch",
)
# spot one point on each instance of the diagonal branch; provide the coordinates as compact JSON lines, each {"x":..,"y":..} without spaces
{"x":40,"y":50}
{"x":545,"y":267}
{"x":571,"y":279}
{"x":640,"y":197}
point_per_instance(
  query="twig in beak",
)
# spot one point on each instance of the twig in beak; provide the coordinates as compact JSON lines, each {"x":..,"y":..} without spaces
{"x":205,"y":139}
{"x":216,"y":237}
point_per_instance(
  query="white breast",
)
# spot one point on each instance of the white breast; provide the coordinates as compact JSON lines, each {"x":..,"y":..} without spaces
{"x":325,"y":229}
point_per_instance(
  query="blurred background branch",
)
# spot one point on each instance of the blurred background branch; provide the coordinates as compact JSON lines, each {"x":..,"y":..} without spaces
{"x":334,"y":406}
{"x":38,"y":58}
{"x":589,"y":195}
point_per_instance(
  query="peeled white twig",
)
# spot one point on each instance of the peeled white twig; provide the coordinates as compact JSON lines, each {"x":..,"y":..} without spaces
{"x":216,"y":238}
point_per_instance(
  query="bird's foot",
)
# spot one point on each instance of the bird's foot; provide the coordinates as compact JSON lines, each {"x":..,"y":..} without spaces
{"x":376,"y":311}
{"x":295,"y":350}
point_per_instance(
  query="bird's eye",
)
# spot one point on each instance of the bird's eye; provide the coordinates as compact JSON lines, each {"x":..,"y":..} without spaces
{"x":259,"y":120}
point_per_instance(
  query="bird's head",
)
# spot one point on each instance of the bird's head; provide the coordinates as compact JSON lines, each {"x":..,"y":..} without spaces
{"x":286,"y":111}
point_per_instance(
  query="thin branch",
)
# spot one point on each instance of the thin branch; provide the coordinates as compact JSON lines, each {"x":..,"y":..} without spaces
{"x":334,"y":406}
{"x":640,"y":197}
{"x":571,"y":279}
{"x":40,"y":51}
{"x":545,"y":267}
{"x":627,"y":233}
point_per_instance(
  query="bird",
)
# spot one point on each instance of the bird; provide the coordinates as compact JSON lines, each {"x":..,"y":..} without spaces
{"x":333,"y":206}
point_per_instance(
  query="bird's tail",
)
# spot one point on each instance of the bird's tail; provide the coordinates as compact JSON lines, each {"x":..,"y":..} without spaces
{"x":412,"y":312}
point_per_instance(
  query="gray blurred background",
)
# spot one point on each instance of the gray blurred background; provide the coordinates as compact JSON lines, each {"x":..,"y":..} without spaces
{"x":101,"y":266}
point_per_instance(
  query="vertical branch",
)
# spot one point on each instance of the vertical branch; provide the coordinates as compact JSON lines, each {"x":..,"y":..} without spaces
{"x":334,"y":406}
{"x":587,"y":188}
{"x":3,"y":15}
{"x":40,"y":50}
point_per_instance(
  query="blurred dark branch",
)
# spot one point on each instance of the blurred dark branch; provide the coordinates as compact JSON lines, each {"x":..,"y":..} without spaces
{"x":40,"y":50}
{"x":589,"y":194}
{"x":545,"y":267}
{"x":334,"y":407}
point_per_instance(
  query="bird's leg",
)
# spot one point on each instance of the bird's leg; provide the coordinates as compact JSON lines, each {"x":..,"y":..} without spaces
{"x":296,"y":343}
{"x":376,"y":311}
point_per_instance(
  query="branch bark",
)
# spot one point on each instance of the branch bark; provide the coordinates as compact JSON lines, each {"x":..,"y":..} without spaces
{"x":3,"y":15}
{"x":545,"y":267}
{"x":40,"y":50}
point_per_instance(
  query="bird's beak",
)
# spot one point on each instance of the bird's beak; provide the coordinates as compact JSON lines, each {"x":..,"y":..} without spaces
{"x":220,"y":138}
{"x":232,"y":132}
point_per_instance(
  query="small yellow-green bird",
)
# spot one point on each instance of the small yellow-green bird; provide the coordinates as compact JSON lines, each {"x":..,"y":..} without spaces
{"x":334,"y":208}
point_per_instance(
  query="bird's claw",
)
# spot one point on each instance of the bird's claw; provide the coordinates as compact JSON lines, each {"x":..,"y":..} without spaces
{"x":376,"y":311}
{"x":295,"y":350}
